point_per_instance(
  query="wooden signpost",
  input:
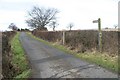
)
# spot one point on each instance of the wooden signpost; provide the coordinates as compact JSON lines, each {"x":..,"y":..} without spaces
{"x":63,"y":38}
{"x":100,"y":33}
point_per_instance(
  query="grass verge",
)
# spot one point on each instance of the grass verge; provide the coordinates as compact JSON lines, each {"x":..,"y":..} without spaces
{"x":101,"y":59}
{"x":19,"y":59}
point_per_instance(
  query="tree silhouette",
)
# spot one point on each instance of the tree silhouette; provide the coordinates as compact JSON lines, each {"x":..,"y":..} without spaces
{"x":70,"y":25}
{"x":13,"y":26}
{"x":40,"y":17}
{"x":53,"y":25}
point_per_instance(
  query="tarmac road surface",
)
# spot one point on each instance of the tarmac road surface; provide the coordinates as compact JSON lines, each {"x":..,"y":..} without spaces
{"x":49,"y":62}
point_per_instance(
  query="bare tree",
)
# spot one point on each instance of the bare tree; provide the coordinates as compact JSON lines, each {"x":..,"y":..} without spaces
{"x":40,"y":17}
{"x":53,"y":25}
{"x":13,"y":26}
{"x":70,"y":25}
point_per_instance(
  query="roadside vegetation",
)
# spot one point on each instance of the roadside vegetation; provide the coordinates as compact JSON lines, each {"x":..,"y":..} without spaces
{"x":19,"y":59}
{"x":101,"y":59}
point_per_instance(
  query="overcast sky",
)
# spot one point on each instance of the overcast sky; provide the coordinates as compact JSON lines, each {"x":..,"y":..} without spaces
{"x":79,"y":12}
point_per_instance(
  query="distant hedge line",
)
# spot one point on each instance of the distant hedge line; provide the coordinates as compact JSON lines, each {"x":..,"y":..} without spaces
{"x":83,"y":40}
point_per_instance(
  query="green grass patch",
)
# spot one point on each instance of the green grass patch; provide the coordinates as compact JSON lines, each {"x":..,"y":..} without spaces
{"x":101,"y":59}
{"x":19,"y":59}
{"x":25,"y":74}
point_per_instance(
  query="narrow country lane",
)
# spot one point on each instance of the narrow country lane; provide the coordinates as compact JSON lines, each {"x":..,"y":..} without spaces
{"x":49,"y":62}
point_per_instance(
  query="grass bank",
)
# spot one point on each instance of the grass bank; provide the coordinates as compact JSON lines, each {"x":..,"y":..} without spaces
{"x":101,"y":59}
{"x":19,"y":59}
